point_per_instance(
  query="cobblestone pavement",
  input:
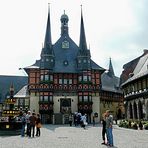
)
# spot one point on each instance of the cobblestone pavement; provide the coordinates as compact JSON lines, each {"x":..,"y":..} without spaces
{"x":63,"y":136}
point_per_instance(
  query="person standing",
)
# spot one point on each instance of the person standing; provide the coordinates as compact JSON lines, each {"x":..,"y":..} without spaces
{"x":23,"y":120}
{"x":38,"y":125}
{"x":93,"y":120}
{"x":70,"y":119}
{"x":103,"y":128}
{"x":32,"y":119}
{"x":28,"y":122}
{"x":109,"y":128}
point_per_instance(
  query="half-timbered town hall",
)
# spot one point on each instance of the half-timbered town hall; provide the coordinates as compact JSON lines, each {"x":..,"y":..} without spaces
{"x":65,"y":80}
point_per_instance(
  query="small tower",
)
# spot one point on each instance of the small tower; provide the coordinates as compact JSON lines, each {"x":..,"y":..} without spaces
{"x":47,"y":54}
{"x":64,"y":24}
{"x":111,"y":70}
{"x":11,"y":91}
{"x":83,"y":58}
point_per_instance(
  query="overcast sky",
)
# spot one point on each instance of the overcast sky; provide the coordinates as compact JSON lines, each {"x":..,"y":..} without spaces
{"x":114,"y":28}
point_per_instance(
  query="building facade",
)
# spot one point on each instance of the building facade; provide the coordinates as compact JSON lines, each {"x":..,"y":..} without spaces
{"x":65,"y":79}
{"x":111,"y":95}
{"x":135,"y":87}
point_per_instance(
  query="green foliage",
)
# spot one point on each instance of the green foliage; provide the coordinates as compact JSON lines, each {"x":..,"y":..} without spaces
{"x":133,"y":124}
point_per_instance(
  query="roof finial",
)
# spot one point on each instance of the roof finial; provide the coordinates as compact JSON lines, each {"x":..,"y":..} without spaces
{"x":81,"y":9}
{"x":48,"y":7}
{"x":89,"y":47}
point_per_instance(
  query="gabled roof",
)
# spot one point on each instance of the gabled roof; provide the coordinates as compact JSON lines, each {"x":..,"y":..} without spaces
{"x":96,"y":66}
{"x":63,"y":55}
{"x":110,"y":83}
{"x":140,"y":70}
{"x":23,"y":93}
{"x":5,"y":82}
{"x":66,"y":58}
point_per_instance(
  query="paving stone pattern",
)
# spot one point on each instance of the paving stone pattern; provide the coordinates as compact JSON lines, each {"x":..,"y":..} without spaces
{"x":63,"y":136}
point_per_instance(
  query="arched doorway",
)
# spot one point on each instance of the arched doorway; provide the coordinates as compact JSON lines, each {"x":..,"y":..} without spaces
{"x":135,"y":111}
{"x":147,"y":110}
{"x":140,"y":109}
{"x":131,"y":111}
{"x":119,"y":114}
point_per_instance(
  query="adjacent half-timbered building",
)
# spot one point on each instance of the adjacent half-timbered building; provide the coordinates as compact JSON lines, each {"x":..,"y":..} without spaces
{"x":65,"y":79}
{"x":136,"y":87}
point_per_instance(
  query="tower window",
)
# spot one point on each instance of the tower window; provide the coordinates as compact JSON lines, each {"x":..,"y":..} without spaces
{"x":46,"y":77}
{"x":45,"y":98}
{"x":85,"y":98}
{"x":84,"y":78}
{"x":47,"y":60}
{"x":84,"y":61}
{"x":42,"y":77}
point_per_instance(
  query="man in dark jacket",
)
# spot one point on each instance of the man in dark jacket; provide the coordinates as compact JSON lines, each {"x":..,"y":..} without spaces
{"x":32,"y":119}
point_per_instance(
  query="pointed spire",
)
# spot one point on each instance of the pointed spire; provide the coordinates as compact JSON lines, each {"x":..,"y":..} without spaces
{"x":11,"y":90}
{"x":47,"y":41}
{"x":111,"y":70}
{"x":82,"y":43}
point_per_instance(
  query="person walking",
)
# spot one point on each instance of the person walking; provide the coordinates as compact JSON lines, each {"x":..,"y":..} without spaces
{"x":103,"y":128}
{"x":109,"y":128}
{"x":83,"y":121}
{"x":38,"y":125}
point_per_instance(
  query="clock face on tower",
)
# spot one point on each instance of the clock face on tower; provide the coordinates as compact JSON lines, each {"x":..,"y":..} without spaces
{"x":65,"y":44}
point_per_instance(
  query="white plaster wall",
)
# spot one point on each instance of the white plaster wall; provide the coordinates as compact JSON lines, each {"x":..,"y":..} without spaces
{"x":34,"y":102}
{"x":74,"y":104}
{"x":96,"y":107}
{"x":56,"y":100}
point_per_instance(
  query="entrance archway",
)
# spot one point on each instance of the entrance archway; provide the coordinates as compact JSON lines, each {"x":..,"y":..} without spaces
{"x":119,"y":114}
{"x":135,"y":111}
{"x":131,"y":111}
{"x":147,"y":110}
{"x":140,"y":109}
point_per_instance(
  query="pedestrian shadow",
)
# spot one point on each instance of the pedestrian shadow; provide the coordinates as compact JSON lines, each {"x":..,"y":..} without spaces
{"x":112,"y":147}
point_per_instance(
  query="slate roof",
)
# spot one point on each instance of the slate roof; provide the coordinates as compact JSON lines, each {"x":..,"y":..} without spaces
{"x":110,"y":83}
{"x":23,"y":93}
{"x":66,"y":58}
{"x":65,"y":54}
{"x":140,"y":70}
{"x":6,"y":81}
{"x":129,"y":67}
